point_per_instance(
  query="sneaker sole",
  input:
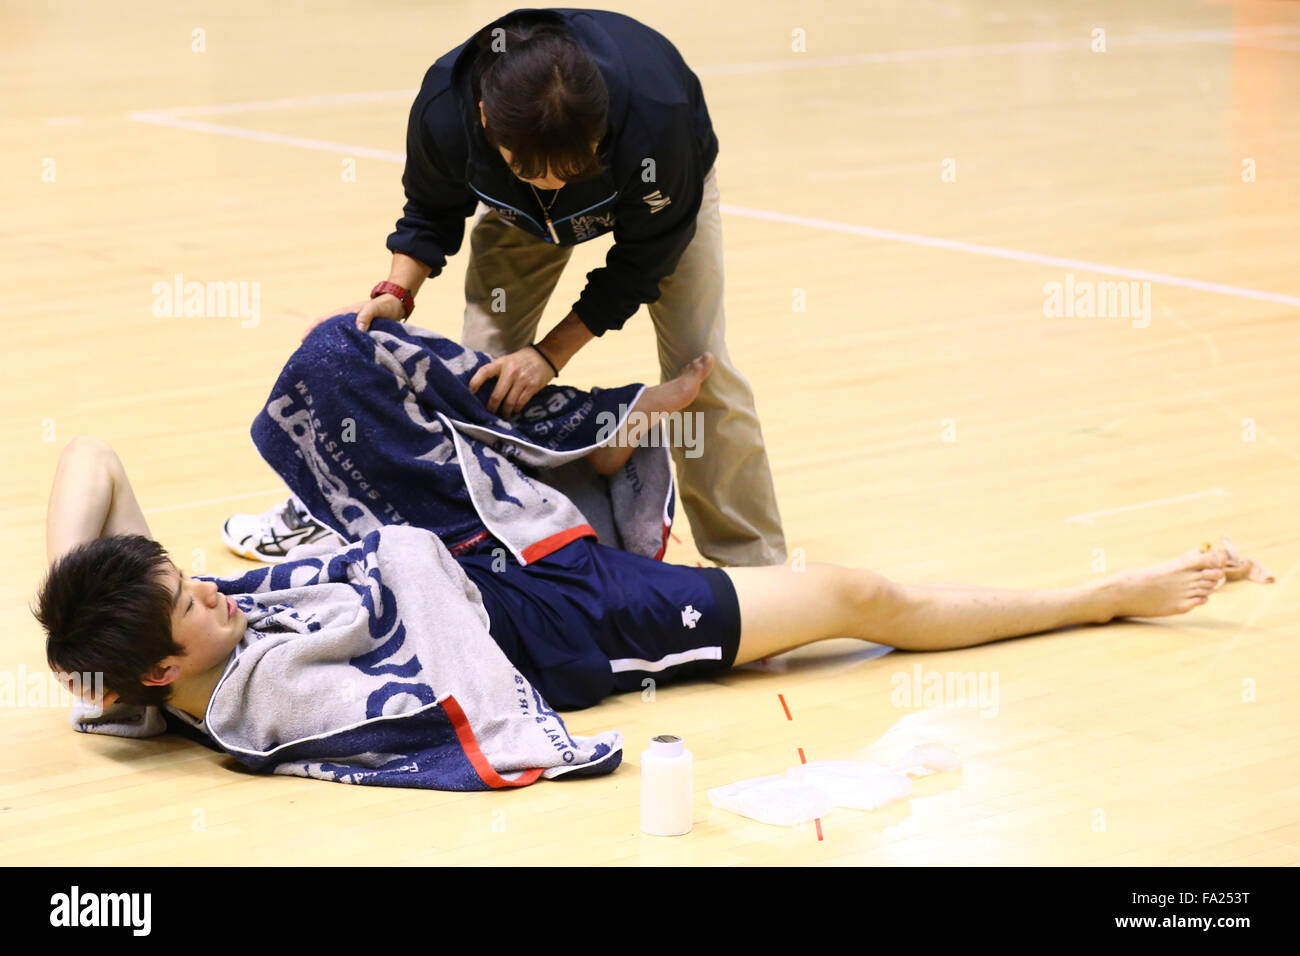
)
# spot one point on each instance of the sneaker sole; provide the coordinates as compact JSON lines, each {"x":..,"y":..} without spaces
{"x":249,"y":553}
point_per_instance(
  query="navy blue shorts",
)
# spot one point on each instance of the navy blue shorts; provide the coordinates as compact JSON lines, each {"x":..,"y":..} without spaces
{"x":588,"y":621}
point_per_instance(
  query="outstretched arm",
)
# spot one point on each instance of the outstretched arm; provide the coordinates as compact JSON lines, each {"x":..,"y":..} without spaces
{"x":91,"y":498}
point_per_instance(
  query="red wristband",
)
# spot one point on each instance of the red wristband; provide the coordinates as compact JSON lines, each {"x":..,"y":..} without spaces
{"x":392,"y":288}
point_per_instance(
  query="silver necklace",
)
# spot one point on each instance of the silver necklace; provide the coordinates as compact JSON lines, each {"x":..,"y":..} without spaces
{"x":546,"y":211}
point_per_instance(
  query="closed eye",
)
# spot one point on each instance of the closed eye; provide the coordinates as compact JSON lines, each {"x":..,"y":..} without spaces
{"x":189,"y":606}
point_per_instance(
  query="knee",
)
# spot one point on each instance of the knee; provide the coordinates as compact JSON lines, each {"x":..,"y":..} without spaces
{"x":872,"y":596}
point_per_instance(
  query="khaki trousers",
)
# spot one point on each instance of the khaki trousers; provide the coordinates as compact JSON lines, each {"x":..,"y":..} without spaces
{"x":727,"y":490}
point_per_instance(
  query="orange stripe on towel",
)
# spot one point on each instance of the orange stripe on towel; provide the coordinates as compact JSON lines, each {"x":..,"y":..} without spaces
{"x":469,"y":743}
{"x":555,"y":542}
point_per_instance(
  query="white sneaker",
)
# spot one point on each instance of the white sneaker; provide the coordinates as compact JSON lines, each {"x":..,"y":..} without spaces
{"x":268,"y":537}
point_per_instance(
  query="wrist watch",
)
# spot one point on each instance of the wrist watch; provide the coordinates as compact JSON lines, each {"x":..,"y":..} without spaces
{"x":392,"y":288}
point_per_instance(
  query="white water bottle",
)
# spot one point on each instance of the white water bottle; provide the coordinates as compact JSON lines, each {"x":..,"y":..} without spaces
{"x":667,"y":794}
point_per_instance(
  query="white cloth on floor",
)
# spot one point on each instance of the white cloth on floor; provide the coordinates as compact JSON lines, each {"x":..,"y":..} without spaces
{"x":812,"y":790}
{"x":776,"y":800}
{"x":855,"y":784}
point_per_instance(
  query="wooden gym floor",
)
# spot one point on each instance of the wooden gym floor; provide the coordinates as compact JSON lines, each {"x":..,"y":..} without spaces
{"x":916,"y":177}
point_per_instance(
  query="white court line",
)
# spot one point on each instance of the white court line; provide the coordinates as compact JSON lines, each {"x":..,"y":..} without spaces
{"x":1273,"y":45}
{"x":212,"y":501}
{"x":871,"y":232}
{"x":801,"y":62}
{"x":261,"y":136}
{"x":1087,"y":518}
{"x":292,"y":102}
{"x":793,"y":62}
{"x":1016,"y":255}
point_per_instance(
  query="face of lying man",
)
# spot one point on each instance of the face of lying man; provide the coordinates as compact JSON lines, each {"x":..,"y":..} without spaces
{"x":204,"y":621}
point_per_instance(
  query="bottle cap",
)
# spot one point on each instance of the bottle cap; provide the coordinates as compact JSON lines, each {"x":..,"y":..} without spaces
{"x":667,"y":745}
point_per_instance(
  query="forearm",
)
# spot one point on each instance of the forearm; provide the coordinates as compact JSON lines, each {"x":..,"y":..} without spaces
{"x":408,"y":273}
{"x":91,"y":498}
{"x":565,"y":340}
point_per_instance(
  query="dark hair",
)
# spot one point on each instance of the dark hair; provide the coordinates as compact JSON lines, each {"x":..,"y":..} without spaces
{"x":543,"y":96}
{"x":106,"y":609}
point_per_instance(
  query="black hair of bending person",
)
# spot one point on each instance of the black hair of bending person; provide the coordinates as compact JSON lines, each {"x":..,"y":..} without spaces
{"x":543,"y":96}
{"x":106,"y":608}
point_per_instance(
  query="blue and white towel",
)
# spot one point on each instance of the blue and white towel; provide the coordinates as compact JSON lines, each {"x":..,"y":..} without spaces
{"x":372,"y":664}
{"x":380,"y":427}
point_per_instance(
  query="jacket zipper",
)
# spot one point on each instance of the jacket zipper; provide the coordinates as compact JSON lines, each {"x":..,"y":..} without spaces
{"x":489,"y":199}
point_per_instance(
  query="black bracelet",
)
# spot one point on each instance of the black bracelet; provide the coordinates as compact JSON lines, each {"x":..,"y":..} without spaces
{"x":534,"y":347}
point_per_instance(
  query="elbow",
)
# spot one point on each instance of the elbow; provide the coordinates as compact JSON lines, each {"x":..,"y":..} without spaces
{"x":88,"y":446}
{"x":92,"y":450}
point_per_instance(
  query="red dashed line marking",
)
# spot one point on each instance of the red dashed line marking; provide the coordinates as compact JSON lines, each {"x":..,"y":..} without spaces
{"x":818,"y":821}
{"x":783,"y":704}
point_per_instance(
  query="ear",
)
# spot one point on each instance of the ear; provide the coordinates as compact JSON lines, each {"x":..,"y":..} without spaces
{"x":161,"y":676}
{"x":482,"y":117}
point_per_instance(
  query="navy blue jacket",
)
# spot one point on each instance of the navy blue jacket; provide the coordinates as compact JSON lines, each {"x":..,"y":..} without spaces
{"x":656,"y":112}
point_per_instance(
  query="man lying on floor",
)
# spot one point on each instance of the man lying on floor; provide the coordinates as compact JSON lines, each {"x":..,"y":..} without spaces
{"x":431,"y":652}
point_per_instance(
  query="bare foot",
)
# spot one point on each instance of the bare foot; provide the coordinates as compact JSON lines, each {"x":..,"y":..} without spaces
{"x":672,"y":396}
{"x":1174,"y":587}
{"x":676,"y":393}
{"x":1238,"y":568}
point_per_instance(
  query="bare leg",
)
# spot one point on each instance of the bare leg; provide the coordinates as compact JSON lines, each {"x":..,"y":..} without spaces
{"x":781,"y":608}
{"x":671,"y":396}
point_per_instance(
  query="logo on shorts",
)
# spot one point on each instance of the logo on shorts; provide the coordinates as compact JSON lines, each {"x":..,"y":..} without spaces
{"x":689,"y":616}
